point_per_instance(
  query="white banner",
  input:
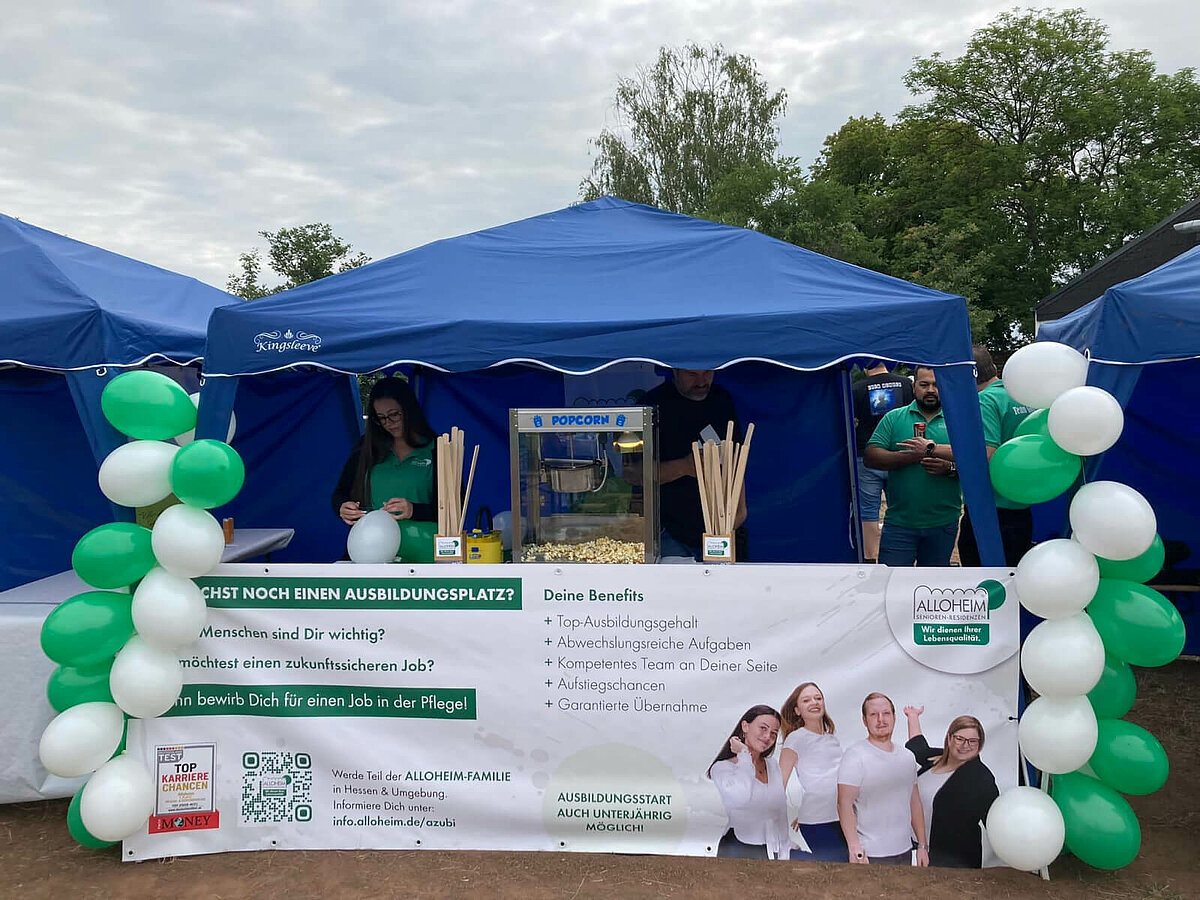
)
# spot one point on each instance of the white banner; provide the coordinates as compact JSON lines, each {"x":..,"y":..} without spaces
{"x":527,"y":707}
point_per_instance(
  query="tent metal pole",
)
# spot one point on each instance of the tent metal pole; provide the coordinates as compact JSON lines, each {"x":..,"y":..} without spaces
{"x":856,"y":534}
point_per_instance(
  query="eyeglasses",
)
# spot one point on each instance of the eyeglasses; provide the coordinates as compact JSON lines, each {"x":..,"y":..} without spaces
{"x":390,"y":418}
{"x":965,"y":743}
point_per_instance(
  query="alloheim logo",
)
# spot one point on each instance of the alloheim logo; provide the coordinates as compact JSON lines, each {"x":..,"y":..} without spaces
{"x":280,"y":342}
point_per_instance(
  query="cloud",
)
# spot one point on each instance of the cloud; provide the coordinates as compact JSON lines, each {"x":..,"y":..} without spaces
{"x":175,"y":134}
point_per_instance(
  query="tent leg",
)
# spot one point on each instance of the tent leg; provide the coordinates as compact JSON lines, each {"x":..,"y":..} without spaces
{"x":856,"y":532}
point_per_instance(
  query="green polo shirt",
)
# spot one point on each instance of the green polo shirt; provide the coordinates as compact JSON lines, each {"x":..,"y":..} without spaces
{"x":409,"y":479}
{"x":916,"y":499}
{"x":1001,"y":416}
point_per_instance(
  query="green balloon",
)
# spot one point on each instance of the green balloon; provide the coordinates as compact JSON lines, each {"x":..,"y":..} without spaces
{"x":1137,"y":623}
{"x":1032,"y":469}
{"x":1037,"y":422}
{"x":1116,"y":690}
{"x":78,"y":831}
{"x":995,"y":592}
{"x":1128,"y":758}
{"x":207,"y":474}
{"x":113,"y":555}
{"x":71,"y":685}
{"x":148,"y":406}
{"x":416,"y":541}
{"x":1101,"y":828}
{"x":1140,"y":568}
{"x":88,"y":629}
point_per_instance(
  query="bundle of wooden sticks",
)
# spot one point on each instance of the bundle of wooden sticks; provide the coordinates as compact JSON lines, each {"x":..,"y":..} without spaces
{"x":452,"y":504}
{"x":721,"y":471}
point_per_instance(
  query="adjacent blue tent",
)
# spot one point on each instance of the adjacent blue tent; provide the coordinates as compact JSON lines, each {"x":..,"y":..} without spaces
{"x":1143,"y":338}
{"x":72,"y":317}
{"x":496,"y":319}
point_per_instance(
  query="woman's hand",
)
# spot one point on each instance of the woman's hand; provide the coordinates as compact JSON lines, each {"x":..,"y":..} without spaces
{"x":736,"y":745}
{"x":857,"y":857}
{"x":914,"y":712}
{"x":350,"y":512}
{"x":399,"y":508}
{"x":922,"y":858}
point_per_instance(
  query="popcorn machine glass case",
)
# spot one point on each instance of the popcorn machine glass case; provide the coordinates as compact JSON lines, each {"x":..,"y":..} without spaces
{"x":583,"y":485}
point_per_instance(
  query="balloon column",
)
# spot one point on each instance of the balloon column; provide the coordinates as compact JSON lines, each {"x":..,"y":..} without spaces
{"x":1099,"y":619}
{"x":117,"y":654}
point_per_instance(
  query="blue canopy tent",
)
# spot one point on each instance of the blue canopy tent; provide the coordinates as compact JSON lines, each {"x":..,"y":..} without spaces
{"x":496,"y":319}
{"x":1143,"y":338}
{"x":72,"y":316}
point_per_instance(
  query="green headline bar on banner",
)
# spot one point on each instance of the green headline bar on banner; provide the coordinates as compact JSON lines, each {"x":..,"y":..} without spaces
{"x":275,"y":592}
{"x":303,"y":700}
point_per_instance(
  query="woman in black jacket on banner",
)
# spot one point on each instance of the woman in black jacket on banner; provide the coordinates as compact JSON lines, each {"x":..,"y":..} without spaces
{"x":956,"y":788}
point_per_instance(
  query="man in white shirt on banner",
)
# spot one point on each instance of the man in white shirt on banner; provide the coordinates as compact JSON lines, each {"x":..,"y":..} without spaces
{"x":878,"y":804}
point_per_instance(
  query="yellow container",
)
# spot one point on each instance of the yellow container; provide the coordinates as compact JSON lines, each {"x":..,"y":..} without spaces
{"x":483,"y":547}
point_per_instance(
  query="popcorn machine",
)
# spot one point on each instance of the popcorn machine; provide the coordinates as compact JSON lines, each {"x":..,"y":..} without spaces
{"x":584,"y":485}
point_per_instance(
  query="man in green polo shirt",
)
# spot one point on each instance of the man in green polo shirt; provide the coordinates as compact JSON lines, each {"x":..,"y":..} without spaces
{"x":1001,"y":416}
{"x":924,"y":501}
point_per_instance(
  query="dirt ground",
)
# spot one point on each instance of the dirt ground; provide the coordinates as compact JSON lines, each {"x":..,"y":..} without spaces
{"x":39,"y":859}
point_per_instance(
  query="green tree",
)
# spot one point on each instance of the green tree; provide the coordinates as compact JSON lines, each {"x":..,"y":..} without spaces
{"x":298,"y":255}
{"x":1028,"y":158}
{"x":695,"y":116}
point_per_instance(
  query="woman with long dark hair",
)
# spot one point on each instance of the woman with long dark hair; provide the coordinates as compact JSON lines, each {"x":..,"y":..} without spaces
{"x":811,"y":754}
{"x":956,"y":787}
{"x":393,"y":466}
{"x":751,"y":787}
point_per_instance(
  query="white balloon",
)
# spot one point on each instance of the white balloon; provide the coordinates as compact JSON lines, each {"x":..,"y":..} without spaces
{"x":502,"y":522}
{"x":81,"y":738}
{"x":1063,"y":657}
{"x":1058,"y":734}
{"x":1025,"y":828}
{"x":145,"y":681}
{"x":1057,"y":578}
{"x":187,"y":541}
{"x":137,"y":473}
{"x":188,"y":436}
{"x":1085,"y":421}
{"x":375,"y":538}
{"x":1112,"y":520}
{"x":1038,"y":373}
{"x":118,"y":800}
{"x":168,"y":611}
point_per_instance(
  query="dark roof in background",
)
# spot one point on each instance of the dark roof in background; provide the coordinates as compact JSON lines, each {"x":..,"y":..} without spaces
{"x":1145,"y":252}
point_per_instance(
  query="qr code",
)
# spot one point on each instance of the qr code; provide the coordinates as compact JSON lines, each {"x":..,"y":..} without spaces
{"x":276,"y":787}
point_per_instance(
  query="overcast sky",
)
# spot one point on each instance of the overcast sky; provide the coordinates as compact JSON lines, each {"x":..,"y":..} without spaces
{"x":175,"y":132}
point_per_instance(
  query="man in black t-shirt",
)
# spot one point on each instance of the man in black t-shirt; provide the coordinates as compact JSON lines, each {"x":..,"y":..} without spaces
{"x":687,"y":404}
{"x":874,"y":397}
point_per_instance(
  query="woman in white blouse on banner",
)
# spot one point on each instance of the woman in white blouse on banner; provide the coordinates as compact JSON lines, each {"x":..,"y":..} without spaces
{"x":751,"y":787}
{"x":810,"y":757}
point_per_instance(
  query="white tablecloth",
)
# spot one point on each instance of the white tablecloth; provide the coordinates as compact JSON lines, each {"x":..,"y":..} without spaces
{"x":24,"y":669}
{"x":251,"y":542}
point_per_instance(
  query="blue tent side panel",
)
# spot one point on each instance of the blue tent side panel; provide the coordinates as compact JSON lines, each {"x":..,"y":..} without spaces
{"x":1156,"y":453}
{"x":478,"y":403}
{"x":295,"y":430}
{"x":47,"y":477}
{"x":798,"y":476}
